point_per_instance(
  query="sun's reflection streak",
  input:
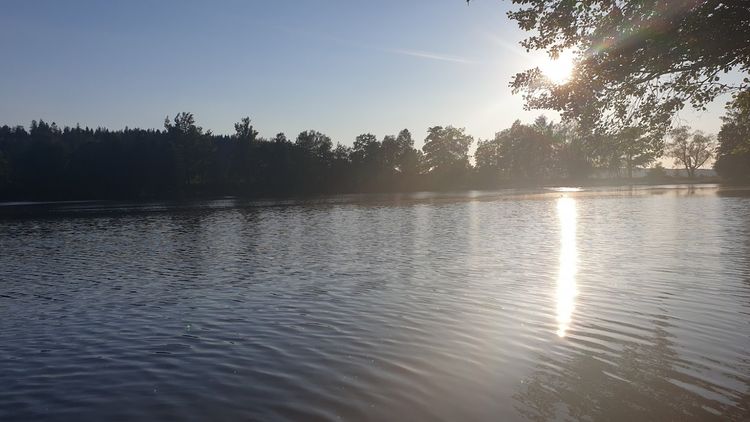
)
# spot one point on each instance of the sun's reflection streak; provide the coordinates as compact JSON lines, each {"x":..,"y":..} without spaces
{"x":566,"y":279}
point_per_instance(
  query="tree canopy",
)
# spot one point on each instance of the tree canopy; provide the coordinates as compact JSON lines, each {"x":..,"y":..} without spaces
{"x":637,"y":62}
{"x":690,"y":149}
{"x":446,"y":149}
{"x":733,"y":155}
{"x":533,"y":153}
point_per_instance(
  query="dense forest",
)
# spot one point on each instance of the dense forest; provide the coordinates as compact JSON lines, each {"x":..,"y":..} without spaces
{"x":182,"y":160}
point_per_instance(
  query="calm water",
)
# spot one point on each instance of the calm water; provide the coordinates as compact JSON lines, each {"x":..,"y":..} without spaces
{"x":593,"y":305}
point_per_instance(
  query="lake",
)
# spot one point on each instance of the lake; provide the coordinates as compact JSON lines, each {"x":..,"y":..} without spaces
{"x":569,"y":304}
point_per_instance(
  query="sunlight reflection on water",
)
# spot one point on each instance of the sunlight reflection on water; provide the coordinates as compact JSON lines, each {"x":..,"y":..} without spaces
{"x":566,"y":279}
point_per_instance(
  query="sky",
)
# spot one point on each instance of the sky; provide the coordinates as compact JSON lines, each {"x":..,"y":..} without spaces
{"x":343,"y":67}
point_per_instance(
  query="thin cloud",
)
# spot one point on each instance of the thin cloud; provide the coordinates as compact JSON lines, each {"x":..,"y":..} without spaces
{"x":510,"y":47}
{"x":429,"y":55}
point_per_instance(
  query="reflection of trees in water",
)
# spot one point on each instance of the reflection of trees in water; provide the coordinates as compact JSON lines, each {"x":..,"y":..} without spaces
{"x":737,"y":232}
{"x":631,"y":384}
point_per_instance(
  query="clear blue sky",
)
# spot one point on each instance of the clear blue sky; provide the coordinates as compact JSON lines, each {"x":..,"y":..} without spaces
{"x":343,"y":67}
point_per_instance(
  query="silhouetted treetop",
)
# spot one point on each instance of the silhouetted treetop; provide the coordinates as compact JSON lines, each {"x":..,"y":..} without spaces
{"x":366,"y":149}
{"x":318,"y":144}
{"x":183,"y":124}
{"x":280,"y":138}
{"x":446,"y":148}
{"x":244,"y":131}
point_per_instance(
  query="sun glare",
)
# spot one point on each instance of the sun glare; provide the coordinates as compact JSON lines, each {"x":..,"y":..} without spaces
{"x":558,"y":70}
{"x":566,"y":280}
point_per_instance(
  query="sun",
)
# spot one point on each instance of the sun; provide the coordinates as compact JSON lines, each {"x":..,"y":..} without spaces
{"x":558,"y":70}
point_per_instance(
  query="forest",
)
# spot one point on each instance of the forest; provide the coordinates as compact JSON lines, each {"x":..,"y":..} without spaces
{"x":46,"y":162}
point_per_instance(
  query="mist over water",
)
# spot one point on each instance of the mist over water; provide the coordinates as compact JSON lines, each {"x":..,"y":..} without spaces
{"x":599,"y":305}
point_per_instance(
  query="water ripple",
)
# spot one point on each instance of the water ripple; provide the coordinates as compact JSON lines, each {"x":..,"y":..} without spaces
{"x":444,"y":307}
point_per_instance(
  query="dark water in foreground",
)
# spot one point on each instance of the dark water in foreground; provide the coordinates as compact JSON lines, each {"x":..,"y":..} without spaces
{"x":593,"y":305}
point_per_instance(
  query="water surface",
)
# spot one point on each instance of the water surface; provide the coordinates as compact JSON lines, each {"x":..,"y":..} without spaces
{"x":629,"y":304}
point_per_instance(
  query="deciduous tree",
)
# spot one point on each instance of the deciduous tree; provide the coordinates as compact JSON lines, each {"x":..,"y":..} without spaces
{"x":446,"y":149}
{"x":690,"y":149}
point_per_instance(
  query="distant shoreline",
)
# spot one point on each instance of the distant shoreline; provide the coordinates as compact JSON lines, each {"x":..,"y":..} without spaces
{"x":589,"y":183}
{"x":562,"y":188}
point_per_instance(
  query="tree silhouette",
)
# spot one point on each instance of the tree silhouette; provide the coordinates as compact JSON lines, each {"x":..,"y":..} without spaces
{"x":184,"y":160}
{"x":525,"y":153}
{"x":733,"y":155}
{"x":446,"y":153}
{"x":691,"y":150}
{"x":192,"y":150}
{"x":635,"y":147}
{"x":244,"y":131}
{"x":4,"y":171}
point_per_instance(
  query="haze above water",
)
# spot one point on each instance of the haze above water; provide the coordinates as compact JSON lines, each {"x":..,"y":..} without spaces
{"x":551,"y":305}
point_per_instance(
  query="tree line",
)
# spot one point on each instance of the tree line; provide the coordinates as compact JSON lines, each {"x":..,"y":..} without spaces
{"x":183,"y":159}
{"x":639,"y":63}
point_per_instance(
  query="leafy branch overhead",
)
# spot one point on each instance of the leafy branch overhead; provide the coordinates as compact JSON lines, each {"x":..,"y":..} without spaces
{"x":637,"y":62}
